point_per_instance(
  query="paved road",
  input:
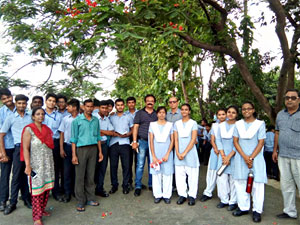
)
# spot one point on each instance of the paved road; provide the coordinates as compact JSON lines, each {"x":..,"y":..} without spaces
{"x":127,"y":209}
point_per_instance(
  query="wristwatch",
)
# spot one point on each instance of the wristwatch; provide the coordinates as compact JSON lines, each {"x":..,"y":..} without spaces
{"x":252,"y":159}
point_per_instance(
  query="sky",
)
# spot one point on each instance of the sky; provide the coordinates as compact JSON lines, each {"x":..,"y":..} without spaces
{"x":265,"y":39}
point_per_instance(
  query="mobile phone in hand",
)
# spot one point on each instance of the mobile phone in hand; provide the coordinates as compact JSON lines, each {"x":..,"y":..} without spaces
{"x":33,"y":174}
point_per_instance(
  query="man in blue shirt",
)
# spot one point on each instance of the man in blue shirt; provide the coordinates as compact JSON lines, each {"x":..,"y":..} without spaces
{"x":120,"y":146}
{"x":131,"y":103}
{"x":15,"y":123}
{"x":86,"y":141}
{"x":106,"y":129}
{"x":62,"y":105}
{"x":66,"y":148}
{"x":53,"y":119}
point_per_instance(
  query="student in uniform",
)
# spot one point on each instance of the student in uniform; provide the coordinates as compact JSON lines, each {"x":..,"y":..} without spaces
{"x":186,"y":160}
{"x":224,"y":140}
{"x":161,"y":142}
{"x":211,"y":175}
{"x":249,"y":135}
{"x":66,"y":148}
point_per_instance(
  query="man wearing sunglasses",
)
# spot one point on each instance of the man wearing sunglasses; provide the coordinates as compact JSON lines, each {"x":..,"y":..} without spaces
{"x":287,"y":152}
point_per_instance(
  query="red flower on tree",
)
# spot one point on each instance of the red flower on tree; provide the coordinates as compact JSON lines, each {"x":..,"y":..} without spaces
{"x":176,"y":5}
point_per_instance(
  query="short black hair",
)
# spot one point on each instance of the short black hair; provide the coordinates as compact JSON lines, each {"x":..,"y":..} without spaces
{"x":21,"y":98}
{"x":75,"y":103}
{"x":96,"y":102}
{"x":188,"y":105}
{"x":292,"y":90}
{"x":49,"y":95}
{"x":62,"y":96}
{"x":208,"y":125}
{"x":38,"y":97}
{"x":130,"y":99}
{"x":205,"y":120}
{"x":110,"y":102}
{"x":159,"y":108}
{"x":36,"y":109}
{"x":119,"y":100}
{"x":88,"y":101}
{"x":270,"y":127}
{"x":5,"y":91}
{"x":103,"y":102}
{"x":221,"y":109}
{"x":149,"y":95}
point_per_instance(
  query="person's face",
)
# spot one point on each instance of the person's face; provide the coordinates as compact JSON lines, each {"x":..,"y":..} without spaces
{"x":120,"y":107}
{"x":161,"y":115}
{"x":61,"y":104}
{"x":39,"y":116}
{"x":21,"y":105}
{"x":71,"y":108}
{"x":247,"y":110}
{"x":131,"y":104}
{"x":7,"y":100}
{"x":51,"y":102}
{"x":103,"y":109}
{"x":150,"y":102}
{"x":185,"y":111}
{"x":109,"y":108}
{"x":203,"y":124}
{"x":221,"y":116}
{"x":173,"y":103}
{"x":37,"y":103}
{"x":291,"y":100}
{"x":231,"y":114}
{"x":88,"y":108}
{"x":207,"y":128}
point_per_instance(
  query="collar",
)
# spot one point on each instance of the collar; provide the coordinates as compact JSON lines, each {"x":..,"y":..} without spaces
{"x":144,"y":109}
{"x":285,"y":110}
{"x":17,"y":114}
{"x":177,"y":111}
{"x":82,"y":116}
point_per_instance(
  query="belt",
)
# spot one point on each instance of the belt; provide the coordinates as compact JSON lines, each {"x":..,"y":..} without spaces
{"x":143,"y":139}
{"x":17,"y":145}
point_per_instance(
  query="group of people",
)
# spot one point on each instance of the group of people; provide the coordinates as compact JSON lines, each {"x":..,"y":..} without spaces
{"x":65,"y":147}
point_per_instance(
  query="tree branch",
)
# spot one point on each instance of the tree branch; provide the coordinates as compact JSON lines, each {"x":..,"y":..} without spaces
{"x":220,"y":9}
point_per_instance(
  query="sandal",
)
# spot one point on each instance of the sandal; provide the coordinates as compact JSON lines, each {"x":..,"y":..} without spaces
{"x":93,"y":203}
{"x":38,"y":222}
{"x":45,"y":213}
{"x":80,"y":208}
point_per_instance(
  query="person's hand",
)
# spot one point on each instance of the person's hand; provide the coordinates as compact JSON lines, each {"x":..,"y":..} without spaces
{"x":4,"y":158}
{"x":134,"y":145}
{"x":100,"y":157}
{"x":28,"y":170}
{"x":248,"y":161}
{"x":75,"y":160}
{"x":181,"y":156}
{"x":226,"y":160}
{"x":275,"y":157}
{"x":216,"y":152}
{"x":165,"y":158}
{"x":154,"y":160}
{"x":62,"y":153}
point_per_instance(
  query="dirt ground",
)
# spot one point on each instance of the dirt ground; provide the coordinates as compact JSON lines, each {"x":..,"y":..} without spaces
{"x":128,"y":209}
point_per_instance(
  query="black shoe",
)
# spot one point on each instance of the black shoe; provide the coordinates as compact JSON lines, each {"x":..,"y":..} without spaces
{"x":125,"y":191}
{"x":102,"y":193}
{"x":137,"y":192}
{"x":204,"y":198}
{"x":239,"y":212}
{"x":57,"y":197}
{"x":130,"y":186}
{"x":285,"y":216}
{"x":150,"y":188}
{"x":2,"y":206}
{"x":167,"y":200}
{"x":256,"y":217}
{"x":221,"y":205}
{"x":144,"y":186}
{"x":157,"y":200}
{"x":113,"y":190}
{"x":191,"y":201}
{"x":66,"y":198}
{"x":181,"y":200}
{"x":27,"y":203}
{"x":9,"y":209}
{"x":232,"y":207}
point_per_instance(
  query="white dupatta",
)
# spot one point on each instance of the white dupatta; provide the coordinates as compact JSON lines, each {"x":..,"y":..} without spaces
{"x":248,"y":134}
{"x":223,"y":131}
{"x":184,"y":131}
{"x":161,"y":136}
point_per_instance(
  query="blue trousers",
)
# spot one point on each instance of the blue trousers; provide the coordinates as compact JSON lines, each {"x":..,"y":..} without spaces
{"x":69,"y":170}
{"x":101,"y":168}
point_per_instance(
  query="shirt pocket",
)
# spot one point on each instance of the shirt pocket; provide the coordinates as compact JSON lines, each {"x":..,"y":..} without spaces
{"x":296,"y":125}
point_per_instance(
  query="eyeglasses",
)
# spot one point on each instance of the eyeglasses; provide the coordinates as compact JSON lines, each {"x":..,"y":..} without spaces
{"x":293,"y":98}
{"x":247,"y":109}
{"x":172,"y":102}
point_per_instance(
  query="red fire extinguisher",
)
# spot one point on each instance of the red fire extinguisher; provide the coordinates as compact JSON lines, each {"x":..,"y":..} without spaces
{"x":250,"y":182}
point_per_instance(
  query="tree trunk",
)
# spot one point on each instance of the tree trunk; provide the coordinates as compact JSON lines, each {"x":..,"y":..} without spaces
{"x":181,"y":79}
